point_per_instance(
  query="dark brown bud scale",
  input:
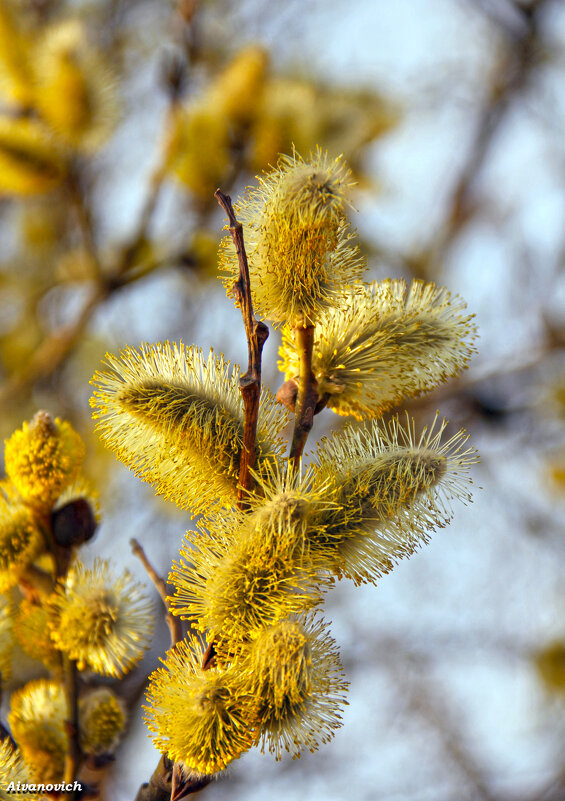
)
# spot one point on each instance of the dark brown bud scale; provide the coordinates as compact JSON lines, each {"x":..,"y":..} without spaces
{"x":74,"y":523}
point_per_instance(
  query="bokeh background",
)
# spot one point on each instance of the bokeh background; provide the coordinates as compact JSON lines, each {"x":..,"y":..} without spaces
{"x":452,"y":114}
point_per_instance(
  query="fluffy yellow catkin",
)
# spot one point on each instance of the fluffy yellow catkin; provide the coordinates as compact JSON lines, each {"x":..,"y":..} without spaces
{"x":292,"y":669}
{"x":20,"y":539}
{"x":102,"y":720}
{"x":37,"y":716}
{"x":176,"y":419}
{"x":299,"y":247}
{"x":383,"y":342}
{"x":33,"y":623}
{"x":12,"y":769}
{"x":199,"y":717}
{"x":240,"y":572}
{"x":103,"y":622}
{"x":43,"y":458}
{"x":392,"y":486}
{"x":236,"y":577}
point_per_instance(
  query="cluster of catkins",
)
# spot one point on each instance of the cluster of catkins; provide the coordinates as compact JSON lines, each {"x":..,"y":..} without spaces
{"x":61,"y":614}
{"x":251,"y":578}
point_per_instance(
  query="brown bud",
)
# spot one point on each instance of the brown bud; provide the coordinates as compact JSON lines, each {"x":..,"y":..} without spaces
{"x":287,"y":394}
{"x":74,"y":523}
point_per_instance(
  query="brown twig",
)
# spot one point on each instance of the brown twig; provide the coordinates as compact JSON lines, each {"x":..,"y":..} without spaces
{"x":257,"y":333}
{"x":307,"y":397}
{"x":74,"y":751}
{"x":75,"y":189}
{"x":173,"y":622}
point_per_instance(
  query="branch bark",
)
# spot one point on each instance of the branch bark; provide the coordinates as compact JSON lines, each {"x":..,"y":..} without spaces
{"x":307,"y":397}
{"x":256,"y":333}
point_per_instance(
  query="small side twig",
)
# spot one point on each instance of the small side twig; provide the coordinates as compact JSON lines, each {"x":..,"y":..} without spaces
{"x":257,"y":333}
{"x":173,"y":622}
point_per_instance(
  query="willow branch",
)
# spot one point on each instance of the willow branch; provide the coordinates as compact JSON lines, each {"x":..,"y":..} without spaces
{"x":84,"y":219}
{"x":256,"y":333}
{"x":74,"y":752}
{"x":307,"y":397}
{"x":173,"y":622}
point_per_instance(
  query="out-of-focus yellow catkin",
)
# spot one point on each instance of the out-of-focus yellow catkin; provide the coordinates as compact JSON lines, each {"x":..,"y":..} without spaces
{"x":12,"y":769}
{"x":30,"y":160}
{"x":38,"y":711}
{"x":102,"y":720}
{"x":176,"y":419}
{"x":383,"y":342}
{"x":20,"y":539}
{"x":16,"y":58}
{"x":300,"y":251}
{"x":297,"y":113}
{"x":6,"y":638}
{"x":391,"y":488}
{"x":43,"y":458}
{"x":103,"y":622}
{"x":238,"y":89}
{"x":293,"y":671}
{"x":73,"y":91}
{"x":550,"y":665}
{"x":34,"y":622}
{"x":198,"y":717}
{"x":202,"y":135}
{"x":199,"y":153}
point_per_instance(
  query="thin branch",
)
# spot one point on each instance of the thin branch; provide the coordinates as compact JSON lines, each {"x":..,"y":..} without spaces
{"x":84,"y":218}
{"x":173,"y":622}
{"x":256,"y":333}
{"x":74,"y":752}
{"x":307,"y":397}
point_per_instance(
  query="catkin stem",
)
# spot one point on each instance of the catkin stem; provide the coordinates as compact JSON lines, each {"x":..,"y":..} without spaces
{"x":257,"y":333}
{"x":307,"y":397}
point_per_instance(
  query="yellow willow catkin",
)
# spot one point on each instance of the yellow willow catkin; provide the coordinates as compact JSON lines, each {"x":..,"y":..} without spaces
{"x":102,"y":720}
{"x":33,"y":623}
{"x":391,"y":487}
{"x":37,"y":716}
{"x":383,"y":342}
{"x":30,"y":159}
{"x":240,"y":575}
{"x":43,"y":458}
{"x":293,"y":671}
{"x":300,"y":251}
{"x":176,"y":419}
{"x":199,"y":717}
{"x":16,"y":59}
{"x":73,"y":87}
{"x":20,"y":539}
{"x":103,"y":622}
{"x":12,"y":769}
